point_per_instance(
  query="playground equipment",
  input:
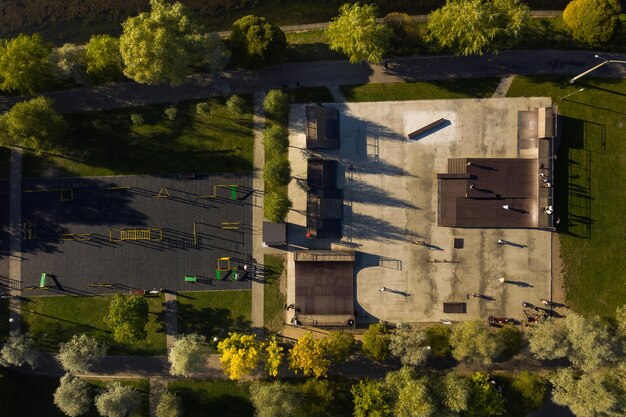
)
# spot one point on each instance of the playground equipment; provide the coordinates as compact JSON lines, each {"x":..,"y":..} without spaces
{"x":231,"y":187}
{"x":65,"y":194}
{"x":29,"y":231}
{"x":116,"y":188}
{"x":76,"y":236}
{"x":42,"y":280}
{"x":223,"y":265}
{"x":136,"y":234}
{"x":98,"y":285}
{"x":163,"y":193}
{"x":230,"y":225}
{"x":191,"y":279}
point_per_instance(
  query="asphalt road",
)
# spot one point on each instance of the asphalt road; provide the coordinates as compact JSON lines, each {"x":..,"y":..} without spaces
{"x":523,"y":62}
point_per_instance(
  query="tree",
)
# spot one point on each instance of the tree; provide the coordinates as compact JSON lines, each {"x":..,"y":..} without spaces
{"x":309,"y":356}
{"x":356,"y":33}
{"x":160,"y":45}
{"x":277,"y":171}
{"x":369,"y":400}
{"x":274,"y":357}
{"x":188,"y":355}
{"x":32,"y":124}
{"x":104,"y":60}
{"x":209,"y":52}
{"x":320,"y":395}
{"x":452,"y":392}
{"x":511,"y":340}
{"x":484,"y":399}
{"x":593,"y":394}
{"x":548,"y":339}
{"x":376,"y":342}
{"x":169,"y":406}
{"x":276,"y":206}
{"x":529,"y":391}
{"x":24,"y":65}
{"x":236,"y":105}
{"x":69,"y":62}
{"x":410,"y":394}
{"x":472,"y":342}
{"x":275,"y":399}
{"x":410,"y":344}
{"x":18,"y":350}
{"x":591,"y":340}
{"x":128,"y":316}
{"x":339,"y":346}
{"x":239,"y":354}
{"x":117,"y":400}
{"x":438,"y":338}
{"x":81,"y":353}
{"x":620,"y":318}
{"x":593,"y":22}
{"x":469,"y":27}
{"x":405,"y":35}
{"x":276,"y":104}
{"x":275,"y":140}
{"x":73,"y":396}
{"x":255,"y":42}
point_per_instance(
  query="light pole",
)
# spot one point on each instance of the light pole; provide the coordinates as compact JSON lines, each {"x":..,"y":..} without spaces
{"x":606,"y":61}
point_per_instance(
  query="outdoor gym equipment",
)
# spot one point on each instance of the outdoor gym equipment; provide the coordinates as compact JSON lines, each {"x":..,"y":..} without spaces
{"x":42,"y":280}
{"x":230,"y":225}
{"x":136,"y":234}
{"x":65,"y":194}
{"x":231,"y":187}
{"x":191,"y":278}
{"x":163,"y":193}
{"x":29,"y":231}
{"x":76,"y":236}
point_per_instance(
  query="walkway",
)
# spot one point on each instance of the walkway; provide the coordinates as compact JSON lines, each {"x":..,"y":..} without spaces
{"x":171,"y":319}
{"x":310,"y":74}
{"x":257,"y":212}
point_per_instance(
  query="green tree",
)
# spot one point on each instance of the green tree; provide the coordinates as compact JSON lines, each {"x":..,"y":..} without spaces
{"x":160,"y":45}
{"x":73,"y":396}
{"x":69,"y":62}
{"x":24,"y":64}
{"x":472,"y":342}
{"x":484,"y":399}
{"x":274,"y":399}
{"x":32,"y":124}
{"x":308,"y":355}
{"x":405,"y":37}
{"x":169,"y":406}
{"x":376,"y":342}
{"x":320,"y":396}
{"x":511,"y":340}
{"x":528,"y":391}
{"x":593,"y":22}
{"x":19,"y":350}
{"x":276,"y":206}
{"x":452,"y":392}
{"x":236,"y":105}
{"x":128,"y":316}
{"x":369,"y":400}
{"x":592,"y":394}
{"x":592,"y":341}
{"x":356,"y":33}
{"x":438,"y":338}
{"x":469,"y":27}
{"x":548,"y":339}
{"x":276,"y":104}
{"x":277,"y":171}
{"x":117,"y":400}
{"x":410,"y":394}
{"x":410,"y":344}
{"x":188,"y":354}
{"x":104,"y":60}
{"x":81,"y":353}
{"x":339,"y":346}
{"x":275,"y":140}
{"x":255,"y":42}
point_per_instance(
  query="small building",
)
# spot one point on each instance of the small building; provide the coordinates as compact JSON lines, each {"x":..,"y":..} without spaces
{"x":322,"y":127}
{"x":324,"y":200}
{"x":274,"y":234}
{"x":324,"y":288}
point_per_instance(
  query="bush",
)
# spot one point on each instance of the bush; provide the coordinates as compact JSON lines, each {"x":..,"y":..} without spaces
{"x":69,"y":62}
{"x":511,"y":340}
{"x":339,"y":346}
{"x":405,"y":36}
{"x":203,"y":109}
{"x":275,"y":140}
{"x":236,"y":105}
{"x":376,"y":342}
{"x":136,"y":119}
{"x":255,"y":42}
{"x":593,"y":22}
{"x":529,"y":391}
{"x":104,"y":60}
{"x":276,"y":104}
{"x":24,"y":64}
{"x":276,"y":206}
{"x":277,"y":171}
{"x":171,"y":113}
{"x":438,"y":338}
{"x":168,"y":406}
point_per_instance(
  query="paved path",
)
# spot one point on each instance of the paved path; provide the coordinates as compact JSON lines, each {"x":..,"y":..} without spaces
{"x":503,"y":88}
{"x":257,"y":212}
{"x":15,"y":239}
{"x":171,"y":319}
{"x":337,"y":94}
{"x":158,"y":385}
{"x":524,"y":62}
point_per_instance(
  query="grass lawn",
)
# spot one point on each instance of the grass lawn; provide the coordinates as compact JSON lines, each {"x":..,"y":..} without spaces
{"x":273,"y":299}
{"x":33,"y":396}
{"x":212,"y":313}
{"x":309,"y":95}
{"x":211,"y":398}
{"x":107,"y":143}
{"x":52,"y":320}
{"x":310,"y":46}
{"x":447,"y":89}
{"x":591,"y":171}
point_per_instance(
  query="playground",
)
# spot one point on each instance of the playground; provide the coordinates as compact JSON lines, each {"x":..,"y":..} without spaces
{"x":99,"y":235}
